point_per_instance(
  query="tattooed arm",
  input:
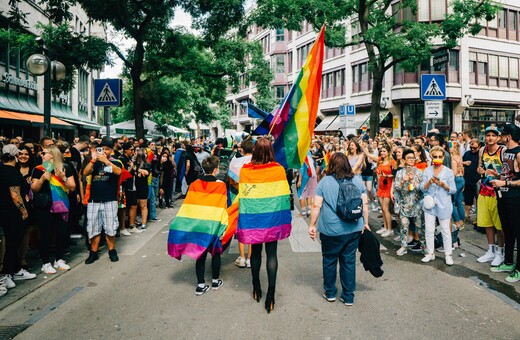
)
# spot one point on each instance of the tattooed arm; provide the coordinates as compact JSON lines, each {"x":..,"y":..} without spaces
{"x":18,"y":201}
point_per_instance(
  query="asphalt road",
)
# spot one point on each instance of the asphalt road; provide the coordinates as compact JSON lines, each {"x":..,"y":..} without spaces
{"x":148,"y":295}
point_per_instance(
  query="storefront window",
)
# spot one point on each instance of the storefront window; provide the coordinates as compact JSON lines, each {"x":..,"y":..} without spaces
{"x":477,"y":119}
{"x":414,"y":121}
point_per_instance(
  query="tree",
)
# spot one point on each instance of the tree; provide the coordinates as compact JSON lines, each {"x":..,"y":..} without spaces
{"x":390,"y":41}
{"x":207,"y":64}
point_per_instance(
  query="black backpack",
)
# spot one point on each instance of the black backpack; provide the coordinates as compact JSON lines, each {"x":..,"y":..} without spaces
{"x":349,"y":206}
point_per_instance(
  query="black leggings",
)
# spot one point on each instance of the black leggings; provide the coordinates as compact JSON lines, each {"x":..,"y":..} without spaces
{"x":272,"y":261}
{"x":200,"y":267}
{"x":51,"y":225}
{"x":509,"y":216}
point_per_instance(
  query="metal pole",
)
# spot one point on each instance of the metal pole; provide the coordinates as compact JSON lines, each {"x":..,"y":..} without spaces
{"x":432,"y":71}
{"x":47,"y":101}
{"x":107,"y":120}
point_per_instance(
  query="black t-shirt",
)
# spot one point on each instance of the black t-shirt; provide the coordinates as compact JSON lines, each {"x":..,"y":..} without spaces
{"x":45,"y":188}
{"x":105,"y":185}
{"x":9,"y":177}
{"x":128,"y":184}
{"x":142,"y":182}
{"x":75,"y":157}
{"x":471,"y":176}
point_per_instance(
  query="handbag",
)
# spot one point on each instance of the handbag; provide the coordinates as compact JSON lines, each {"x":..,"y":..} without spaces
{"x":428,"y":202}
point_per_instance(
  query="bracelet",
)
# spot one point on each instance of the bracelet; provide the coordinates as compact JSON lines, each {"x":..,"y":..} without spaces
{"x":92,"y":161}
{"x":507,"y":182}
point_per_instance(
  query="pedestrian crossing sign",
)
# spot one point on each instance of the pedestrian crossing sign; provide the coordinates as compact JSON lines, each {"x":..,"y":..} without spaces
{"x":107,"y":92}
{"x":433,"y":86}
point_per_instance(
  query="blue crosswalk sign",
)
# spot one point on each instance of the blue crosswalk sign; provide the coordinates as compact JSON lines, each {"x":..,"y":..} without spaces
{"x":433,"y":86}
{"x":107,"y":92}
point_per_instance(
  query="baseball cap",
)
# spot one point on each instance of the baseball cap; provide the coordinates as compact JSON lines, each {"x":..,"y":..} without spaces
{"x":493,"y":129}
{"x":127,"y":146}
{"x":11,"y":150}
{"x":107,"y":142}
{"x":511,"y":129}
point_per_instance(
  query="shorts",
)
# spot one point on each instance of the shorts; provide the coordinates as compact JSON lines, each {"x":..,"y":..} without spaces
{"x":487,"y":212}
{"x":102,"y":216}
{"x":131,"y":198}
{"x":470,"y":193}
{"x":367,"y":178}
{"x":142,"y":192}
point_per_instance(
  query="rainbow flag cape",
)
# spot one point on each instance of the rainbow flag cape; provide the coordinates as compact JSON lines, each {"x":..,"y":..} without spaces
{"x":264,"y":208}
{"x":326,"y":159}
{"x":201,"y":220}
{"x":293,"y":126}
{"x":59,"y":195}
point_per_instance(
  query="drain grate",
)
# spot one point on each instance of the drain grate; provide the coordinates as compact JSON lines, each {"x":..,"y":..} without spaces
{"x":9,"y":332}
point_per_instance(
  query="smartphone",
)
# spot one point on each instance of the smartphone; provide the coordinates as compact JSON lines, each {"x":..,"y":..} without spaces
{"x":99,"y":150}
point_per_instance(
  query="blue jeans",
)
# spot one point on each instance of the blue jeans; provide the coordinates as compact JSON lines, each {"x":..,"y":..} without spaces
{"x":153,"y":191}
{"x":458,"y":205}
{"x":342,"y":248}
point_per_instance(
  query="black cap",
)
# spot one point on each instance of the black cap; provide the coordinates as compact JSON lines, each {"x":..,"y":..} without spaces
{"x":511,"y":129}
{"x":127,"y":146}
{"x":107,"y":142}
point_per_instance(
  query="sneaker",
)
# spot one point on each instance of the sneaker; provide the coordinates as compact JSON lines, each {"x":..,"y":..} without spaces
{"x":201,"y":290}
{"x":514,"y":276}
{"x":440,"y":249}
{"x":329,"y":299}
{"x":503,"y":268}
{"x":143,"y":227}
{"x":112,"y":254}
{"x":397,"y":238}
{"x":92,"y":257}
{"x":23,"y":275}
{"x":304,"y":213}
{"x":388,"y":233}
{"x":125,"y":232}
{"x":134,"y":230}
{"x":487,"y":257}
{"x":373,"y":207}
{"x":61,"y":265}
{"x":412,"y":243}
{"x":240,"y":262}
{"x":248,"y":263}
{"x":345,"y":302}
{"x":401,"y":251}
{"x":154,"y":220}
{"x":380,"y":231}
{"x":216,"y":284}
{"x":416,"y":247}
{"x":48,"y":269}
{"x":498,"y":260}
{"x":448,"y":260}
{"x":9,"y":283}
{"x":427,"y":258}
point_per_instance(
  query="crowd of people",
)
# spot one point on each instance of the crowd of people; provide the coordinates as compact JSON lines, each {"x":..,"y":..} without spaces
{"x":424,"y":188}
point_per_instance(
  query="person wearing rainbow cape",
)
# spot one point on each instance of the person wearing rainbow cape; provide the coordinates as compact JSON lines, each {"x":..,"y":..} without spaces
{"x":202,"y":225}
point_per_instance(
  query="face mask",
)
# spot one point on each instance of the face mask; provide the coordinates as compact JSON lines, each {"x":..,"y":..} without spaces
{"x":437,"y":161}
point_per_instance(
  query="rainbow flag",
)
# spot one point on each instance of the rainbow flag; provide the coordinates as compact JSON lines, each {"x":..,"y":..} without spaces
{"x":294,"y":123}
{"x":326,"y":159}
{"x":59,"y":195}
{"x":264,"y":207}
{"x":201,"y":220}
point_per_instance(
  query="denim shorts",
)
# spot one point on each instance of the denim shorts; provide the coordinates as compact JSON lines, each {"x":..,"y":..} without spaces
{"x":367,"y":178}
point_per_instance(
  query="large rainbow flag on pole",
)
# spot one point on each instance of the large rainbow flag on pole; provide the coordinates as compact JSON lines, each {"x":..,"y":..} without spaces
{"x":295,"y":119}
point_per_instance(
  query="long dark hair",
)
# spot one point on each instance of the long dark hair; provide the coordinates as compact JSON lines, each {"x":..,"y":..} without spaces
{"x":339,"y":166}
{"x":263,"y":152}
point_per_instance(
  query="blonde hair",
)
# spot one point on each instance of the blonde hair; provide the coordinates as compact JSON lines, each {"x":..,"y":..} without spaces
{"x":455,"y":148}
{"x":57,"y":157}
{"x":437,"y":149}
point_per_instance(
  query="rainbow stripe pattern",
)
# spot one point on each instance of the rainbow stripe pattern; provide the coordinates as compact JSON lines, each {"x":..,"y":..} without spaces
{"x":201,"y":220}
{"x":294,"y":122}
{"x":264,"y":209}
{"x":59,"y":195}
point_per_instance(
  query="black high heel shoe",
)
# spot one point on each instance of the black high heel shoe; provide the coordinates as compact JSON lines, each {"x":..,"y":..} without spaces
{"x":269,"y":299}
{"x":257,"y":291}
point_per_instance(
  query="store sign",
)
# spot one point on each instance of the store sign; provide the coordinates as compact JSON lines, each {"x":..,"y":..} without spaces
{"x":12,"y":80}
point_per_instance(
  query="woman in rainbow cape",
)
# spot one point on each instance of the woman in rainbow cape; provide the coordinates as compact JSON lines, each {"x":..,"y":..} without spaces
{"x":306,"y":184}
{"x":50,"y":184}
{"x":203,"y":225}
{"x":264,"y":214}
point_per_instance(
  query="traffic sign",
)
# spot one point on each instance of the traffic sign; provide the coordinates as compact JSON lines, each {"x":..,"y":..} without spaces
{"x":433,"y":109}
{"x":347,"y":110}
{"x":433,"y":86}
{"x":107,"y":92}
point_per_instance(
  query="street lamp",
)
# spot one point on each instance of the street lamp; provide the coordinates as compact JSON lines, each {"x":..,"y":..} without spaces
{"x":40,"y":65}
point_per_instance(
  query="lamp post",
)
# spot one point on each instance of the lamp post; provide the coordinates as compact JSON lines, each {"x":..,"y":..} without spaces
{"x":40,"y":65}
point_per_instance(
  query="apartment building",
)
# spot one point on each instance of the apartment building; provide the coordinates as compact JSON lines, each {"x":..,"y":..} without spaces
{"x":22,"y":94}
{"x":482,"y":76}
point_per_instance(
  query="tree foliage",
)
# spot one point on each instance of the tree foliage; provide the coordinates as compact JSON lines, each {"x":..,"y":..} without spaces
{"x":389,"y":40}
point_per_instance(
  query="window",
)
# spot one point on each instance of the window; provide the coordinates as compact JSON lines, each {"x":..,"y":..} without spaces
{"x":279,"y":92}
{"x":502,"y":18}
{"x":512,"y":22}
{"x":513,"y":68}
{"x":279,"y":63}
{"x":503,"y":67}
{"x":266,"y":44}
{"x":289,"y":62}
{"x":438,"y":8}
{"x":423,"y":10}
{"x":280,"y":34}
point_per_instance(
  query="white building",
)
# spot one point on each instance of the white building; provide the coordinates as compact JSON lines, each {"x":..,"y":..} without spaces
{"x":482,"y":76}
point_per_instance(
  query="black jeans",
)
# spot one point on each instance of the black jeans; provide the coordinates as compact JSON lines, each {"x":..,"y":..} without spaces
{"x":200,"y":267}
{"x":13,"y":230}
{"x":510,"y":217}
{"x":51,"y":224}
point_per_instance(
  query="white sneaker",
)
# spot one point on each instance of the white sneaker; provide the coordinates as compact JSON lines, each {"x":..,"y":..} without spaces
{"x":125,"y":232}
{"x":48,"y":269}
{"x":448,"y":260}
{"x":397,"y":238}
{"x":380,"y":231}
{"x":248,"y":263}
{"x":388,"y":233}
{"x":134,"y":230}
{"x":61,"y":265}
{"x":487,"y":257}
{"x":498,"y":260}
{"x":401,"y":251}
{"x":240,"y":262}
{"x":428,"y":257}
{"x":23,"y":275}
{"x":9,"y":283}
{"x":373,"y":207}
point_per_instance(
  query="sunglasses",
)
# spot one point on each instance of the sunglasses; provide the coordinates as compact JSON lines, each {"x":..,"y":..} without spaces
{"x":437,"y":157}
{"x":473,"y":148}
{"x":410,"y":158}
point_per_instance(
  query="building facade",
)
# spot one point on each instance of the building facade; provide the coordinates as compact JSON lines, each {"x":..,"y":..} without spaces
{"x":22,"y":94}
{"x":482,"y":77}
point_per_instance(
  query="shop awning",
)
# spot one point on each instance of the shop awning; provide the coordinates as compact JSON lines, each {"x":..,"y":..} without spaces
{"x":83,"y":124}
{"x":193,"y":125}
{"x":323,"y":126}
{"x":31,"y":119}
